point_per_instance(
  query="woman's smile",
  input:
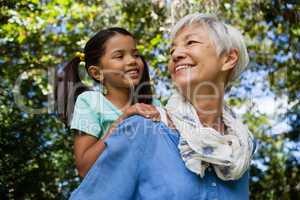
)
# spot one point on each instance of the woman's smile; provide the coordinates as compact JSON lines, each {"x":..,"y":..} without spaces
{"x":183,"y":67}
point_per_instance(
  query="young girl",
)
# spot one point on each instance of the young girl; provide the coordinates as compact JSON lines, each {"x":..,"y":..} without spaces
{"x":111,"y":59}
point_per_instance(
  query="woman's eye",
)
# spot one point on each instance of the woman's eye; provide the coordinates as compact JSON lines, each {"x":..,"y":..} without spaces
{"x":191,"y":42}
{"x":171,"y":51}
{"x":137,"y":55}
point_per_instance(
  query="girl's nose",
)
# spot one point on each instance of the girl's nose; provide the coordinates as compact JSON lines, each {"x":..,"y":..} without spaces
{"x":131,"y":60}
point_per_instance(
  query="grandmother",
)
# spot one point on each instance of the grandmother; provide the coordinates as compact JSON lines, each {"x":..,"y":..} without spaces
{"x":200,"y":150}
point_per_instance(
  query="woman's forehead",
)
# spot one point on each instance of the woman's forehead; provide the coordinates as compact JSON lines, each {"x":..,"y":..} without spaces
{"x":194,"y":30}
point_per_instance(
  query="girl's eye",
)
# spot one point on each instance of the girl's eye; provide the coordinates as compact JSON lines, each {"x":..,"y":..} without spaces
{"x":118,"y":56}
{"x":137,"y":55}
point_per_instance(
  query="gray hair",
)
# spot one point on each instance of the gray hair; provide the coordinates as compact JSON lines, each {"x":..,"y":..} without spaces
{"x":224,"y":36}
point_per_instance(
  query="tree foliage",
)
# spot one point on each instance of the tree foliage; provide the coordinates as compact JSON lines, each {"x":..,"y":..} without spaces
{"x":39,"y":36}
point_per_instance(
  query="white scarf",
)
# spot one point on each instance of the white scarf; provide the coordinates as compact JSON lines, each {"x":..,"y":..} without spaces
{"x":229,"y":154}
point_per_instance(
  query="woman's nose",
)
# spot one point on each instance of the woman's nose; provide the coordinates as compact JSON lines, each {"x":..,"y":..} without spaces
{"x":178,"y":53}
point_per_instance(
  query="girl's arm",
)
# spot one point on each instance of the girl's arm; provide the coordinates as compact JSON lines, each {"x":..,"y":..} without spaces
{"x":88,"y":148}
{"x":110,"y":178}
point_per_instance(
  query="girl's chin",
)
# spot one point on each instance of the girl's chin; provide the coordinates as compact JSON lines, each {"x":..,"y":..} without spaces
{"x":132,"y":82}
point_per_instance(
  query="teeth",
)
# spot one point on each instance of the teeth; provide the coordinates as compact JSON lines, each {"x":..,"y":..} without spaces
{"x":181,"y":67}
{"x":132,"y":71}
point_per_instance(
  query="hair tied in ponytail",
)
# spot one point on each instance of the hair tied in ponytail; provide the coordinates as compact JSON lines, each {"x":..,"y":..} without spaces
{"x":67,"y":87}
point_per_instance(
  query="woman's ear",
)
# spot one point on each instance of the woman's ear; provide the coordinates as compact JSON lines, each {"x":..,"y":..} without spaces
{"x":230,"y":60}
{"x":96,"y":73}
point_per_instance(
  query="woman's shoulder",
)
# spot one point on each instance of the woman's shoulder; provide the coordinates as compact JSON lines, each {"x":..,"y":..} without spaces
{"x":129,"y":136}
{"x":136,"y":127}
{"x":140,"y":131}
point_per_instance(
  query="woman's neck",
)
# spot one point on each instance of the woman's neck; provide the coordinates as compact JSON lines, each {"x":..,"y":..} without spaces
{"x":209,"y":107}
{"x":119,"y":97}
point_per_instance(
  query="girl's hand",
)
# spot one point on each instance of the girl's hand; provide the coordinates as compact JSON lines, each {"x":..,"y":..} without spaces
{"x":146,"y":110}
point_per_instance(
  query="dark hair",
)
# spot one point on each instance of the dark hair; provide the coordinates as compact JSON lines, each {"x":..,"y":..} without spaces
{"x":68,"y":84}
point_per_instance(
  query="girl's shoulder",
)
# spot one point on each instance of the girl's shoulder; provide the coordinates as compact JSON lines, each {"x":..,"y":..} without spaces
{"x":97,"y":103}
{"x":91,"y":94}
{"x":90,"y":98}
{"x":156,"y":102}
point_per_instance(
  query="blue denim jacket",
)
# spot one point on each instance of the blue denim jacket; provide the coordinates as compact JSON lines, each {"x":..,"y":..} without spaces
{"x":142,"y":161}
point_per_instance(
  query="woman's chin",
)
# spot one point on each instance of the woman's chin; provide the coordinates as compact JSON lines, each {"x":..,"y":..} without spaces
{"x":182,"y":78}
{"x":182,"y":85}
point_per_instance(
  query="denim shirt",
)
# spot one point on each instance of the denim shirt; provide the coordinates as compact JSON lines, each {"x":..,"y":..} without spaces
{"x":142,"y":162}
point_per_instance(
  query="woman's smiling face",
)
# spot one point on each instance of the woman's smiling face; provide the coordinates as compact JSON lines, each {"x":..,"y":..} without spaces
{"x":194,"y":61}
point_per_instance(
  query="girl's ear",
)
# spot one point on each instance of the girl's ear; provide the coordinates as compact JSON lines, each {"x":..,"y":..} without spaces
{"x":96,"y":73}
{"x":230,"y":60}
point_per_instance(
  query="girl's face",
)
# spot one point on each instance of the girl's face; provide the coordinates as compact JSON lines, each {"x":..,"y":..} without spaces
{"x":121,"y":63}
